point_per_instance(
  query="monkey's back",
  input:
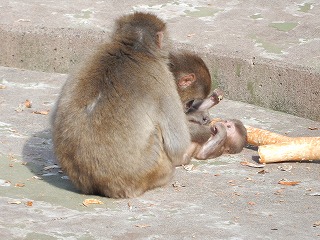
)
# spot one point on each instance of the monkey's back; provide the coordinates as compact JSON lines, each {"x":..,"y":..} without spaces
{"x":106,"y":132}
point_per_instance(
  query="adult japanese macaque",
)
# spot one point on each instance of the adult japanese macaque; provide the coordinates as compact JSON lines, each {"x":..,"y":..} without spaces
{"x":119,"y":128}
{"x":194,"y":84}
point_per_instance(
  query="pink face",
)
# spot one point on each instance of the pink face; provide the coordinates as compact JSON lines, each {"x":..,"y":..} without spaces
{"x":230,"y":127}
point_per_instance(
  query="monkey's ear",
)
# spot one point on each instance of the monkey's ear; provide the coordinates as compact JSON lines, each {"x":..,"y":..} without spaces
{"x":159,"y":39}
{"x":187,"y":80}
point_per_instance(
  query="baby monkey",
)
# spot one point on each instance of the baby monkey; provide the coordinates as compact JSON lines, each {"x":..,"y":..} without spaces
{"x":227,"y":136}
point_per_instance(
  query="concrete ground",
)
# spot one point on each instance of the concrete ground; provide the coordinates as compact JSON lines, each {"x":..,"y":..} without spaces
{"x":264,"y":53}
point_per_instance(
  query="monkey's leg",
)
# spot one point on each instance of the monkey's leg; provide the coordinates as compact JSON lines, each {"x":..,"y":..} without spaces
{"x":191,"y":151}
{"x":215,"y":98}
{"x":209,"y":102}
{"x":214,"y":147}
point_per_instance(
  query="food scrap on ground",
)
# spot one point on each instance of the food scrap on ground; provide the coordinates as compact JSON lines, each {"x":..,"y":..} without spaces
{"x":27,"y":104}
{"x":14,"y":202}
{"x":288,"y":183}
{"x":188,"y":167}
{"x":45,"y":112}
{"x":177,"y":184}
{"x":89,"y":201}
{"x":254,"y":165}
{"x":142,"y":225}
{"x":19,"y":185}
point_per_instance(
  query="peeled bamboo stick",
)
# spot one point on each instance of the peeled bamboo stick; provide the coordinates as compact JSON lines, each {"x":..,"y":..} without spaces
{"x":257,"y":136}
{"x":215,"y":120}
{"x":297,"y":149}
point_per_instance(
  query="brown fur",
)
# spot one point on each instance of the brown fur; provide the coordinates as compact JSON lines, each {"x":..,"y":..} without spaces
{"x":184,"y":63}
{"x":118,"y":128}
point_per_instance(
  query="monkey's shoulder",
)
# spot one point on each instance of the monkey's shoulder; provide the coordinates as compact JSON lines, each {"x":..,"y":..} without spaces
{"x":115,"y":54}
{"x":113,"y":63}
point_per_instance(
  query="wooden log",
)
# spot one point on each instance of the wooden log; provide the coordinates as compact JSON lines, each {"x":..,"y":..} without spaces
{"x":297,"y":149}
{"x":258,"y":137}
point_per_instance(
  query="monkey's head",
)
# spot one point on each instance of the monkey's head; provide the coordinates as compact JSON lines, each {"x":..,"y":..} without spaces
{"x":192,"y":76}
{"x":141,"y":31}
{"x":236,"y":136}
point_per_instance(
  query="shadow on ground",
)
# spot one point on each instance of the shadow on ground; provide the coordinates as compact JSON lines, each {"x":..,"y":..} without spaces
{"x":40,"y":159}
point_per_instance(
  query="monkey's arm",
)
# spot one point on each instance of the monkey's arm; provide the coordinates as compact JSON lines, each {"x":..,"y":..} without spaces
{"x":199,"y":133}
{"x":175,"y":133}
{"x":214,"y":147}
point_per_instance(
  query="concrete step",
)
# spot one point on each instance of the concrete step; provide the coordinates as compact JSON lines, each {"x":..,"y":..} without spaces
{"x":217,"y":199}
{"x":260,"y":52}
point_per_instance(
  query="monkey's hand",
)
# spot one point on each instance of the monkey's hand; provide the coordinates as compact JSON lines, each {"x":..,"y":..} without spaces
{"x":218,"y":129}
{"x":214,"y":147}
{"x":216,"y":96}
